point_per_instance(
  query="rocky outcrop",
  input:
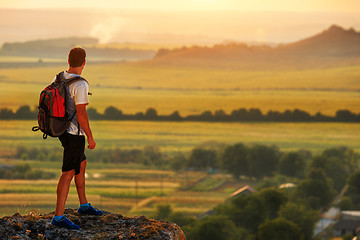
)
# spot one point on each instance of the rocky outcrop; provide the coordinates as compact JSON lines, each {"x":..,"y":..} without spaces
{"x":107,"y":226}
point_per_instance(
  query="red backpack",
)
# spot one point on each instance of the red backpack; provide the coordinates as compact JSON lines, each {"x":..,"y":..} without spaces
{"x":52,"y":117}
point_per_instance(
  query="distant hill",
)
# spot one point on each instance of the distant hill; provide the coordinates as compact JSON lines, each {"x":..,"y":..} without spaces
{"x":333,"y":42}
{"x":59,"y":48}
{"x":333,"y":47}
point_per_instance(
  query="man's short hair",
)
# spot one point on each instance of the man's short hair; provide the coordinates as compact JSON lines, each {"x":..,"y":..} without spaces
{"x":77,"y":57}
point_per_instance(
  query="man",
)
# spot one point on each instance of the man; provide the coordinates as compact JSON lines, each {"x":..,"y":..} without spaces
{"x":73,"y":141}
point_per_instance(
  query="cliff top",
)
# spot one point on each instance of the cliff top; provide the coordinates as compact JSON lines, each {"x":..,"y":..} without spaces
{"x":107,"y":226}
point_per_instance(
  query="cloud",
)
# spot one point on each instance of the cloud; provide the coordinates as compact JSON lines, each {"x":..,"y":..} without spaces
{"x":105,"y":31}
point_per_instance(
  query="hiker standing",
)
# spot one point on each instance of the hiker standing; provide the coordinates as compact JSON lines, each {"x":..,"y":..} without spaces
{"x":73,"y":141}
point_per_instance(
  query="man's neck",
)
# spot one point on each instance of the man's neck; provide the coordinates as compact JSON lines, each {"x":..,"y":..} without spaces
{"x":75,"y":70}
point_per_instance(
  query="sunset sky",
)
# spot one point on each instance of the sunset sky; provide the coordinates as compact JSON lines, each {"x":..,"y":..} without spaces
{"x":245,"y":5}
{"x":175,"y":21}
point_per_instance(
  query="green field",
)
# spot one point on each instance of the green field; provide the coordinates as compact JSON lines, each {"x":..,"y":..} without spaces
{"x":133,"y":192}
{"x":137,"y":87}
{"x":184,"y":136}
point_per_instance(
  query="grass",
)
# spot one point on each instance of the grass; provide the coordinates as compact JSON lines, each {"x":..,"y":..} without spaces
{"x":124,"y":196}
{"x":184,"y":136}
{"x":188,"y":202}
{"x":137,"y":87}
{"x":209,"y":183}
{"x":104,"y":190}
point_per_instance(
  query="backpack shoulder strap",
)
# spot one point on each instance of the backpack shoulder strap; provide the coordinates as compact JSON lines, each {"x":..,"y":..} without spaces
{"x":68,"y":82}
{"x":74,"y":79}
{"x":60,"y":77}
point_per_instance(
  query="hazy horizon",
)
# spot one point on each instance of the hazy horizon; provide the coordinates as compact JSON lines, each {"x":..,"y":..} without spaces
{"x":167,"y":26}
{"x":178,"y":5}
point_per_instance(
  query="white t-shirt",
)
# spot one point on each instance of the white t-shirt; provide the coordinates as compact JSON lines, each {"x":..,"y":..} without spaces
{"x":78,"y":94}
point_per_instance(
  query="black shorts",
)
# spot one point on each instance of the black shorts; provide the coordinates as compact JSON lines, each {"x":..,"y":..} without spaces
{"x":74,"y":148}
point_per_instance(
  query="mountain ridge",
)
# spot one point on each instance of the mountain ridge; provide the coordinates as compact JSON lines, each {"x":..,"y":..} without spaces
{"x":58,"y":48}
{"x":332,"y":47}
{"x":343,"y":40}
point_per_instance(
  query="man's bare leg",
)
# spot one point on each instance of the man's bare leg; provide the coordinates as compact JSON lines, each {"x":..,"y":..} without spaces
{"x":85,"y":207}
{"x":80,"y":183}
{"x":63,"y":191}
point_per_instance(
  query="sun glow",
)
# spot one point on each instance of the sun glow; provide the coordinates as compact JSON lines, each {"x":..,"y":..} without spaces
{"x":243,"y":5}
{"x":206,"y":1}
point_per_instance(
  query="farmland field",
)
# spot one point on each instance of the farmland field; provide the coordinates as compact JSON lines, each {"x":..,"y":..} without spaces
{"x":183,"y":136}
{"x":132,"y":192}
{"x":137,"y":87}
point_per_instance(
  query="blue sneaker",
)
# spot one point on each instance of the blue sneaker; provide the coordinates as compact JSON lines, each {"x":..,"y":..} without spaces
{"x":65,"y":223}
{"x":90,"y":210}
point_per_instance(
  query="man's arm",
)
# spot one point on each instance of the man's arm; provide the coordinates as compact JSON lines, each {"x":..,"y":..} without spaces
{"x":83,"y":120}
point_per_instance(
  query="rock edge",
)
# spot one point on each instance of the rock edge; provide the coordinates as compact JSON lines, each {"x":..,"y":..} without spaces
{"x":107,"y":226}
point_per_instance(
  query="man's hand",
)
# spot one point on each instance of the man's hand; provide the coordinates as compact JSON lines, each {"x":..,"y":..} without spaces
{"x":91,"y":143}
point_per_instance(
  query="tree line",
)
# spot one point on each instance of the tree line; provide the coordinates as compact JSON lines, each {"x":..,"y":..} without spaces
{"x":273,"y":212}
{"x":276,"y":210}
{"x":263,"y":163}
{"x":23,"y":171}
{"x":239,"y":115}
